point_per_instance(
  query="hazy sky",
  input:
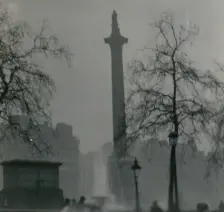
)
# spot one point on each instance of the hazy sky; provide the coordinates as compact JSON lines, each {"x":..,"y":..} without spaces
{"x":84,"y":91}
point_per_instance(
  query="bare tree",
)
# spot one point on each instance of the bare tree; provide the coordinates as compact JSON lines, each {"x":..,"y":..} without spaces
{"x":168,"y":92}
{"x":25,"y":88}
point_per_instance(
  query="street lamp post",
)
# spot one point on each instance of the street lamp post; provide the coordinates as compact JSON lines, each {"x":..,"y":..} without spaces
{"x":136,"y":168}
{"x":173,"y":199}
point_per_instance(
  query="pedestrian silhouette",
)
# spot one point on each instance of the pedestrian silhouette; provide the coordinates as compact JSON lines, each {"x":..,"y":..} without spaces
{"x":155,"y":207}
{"x":82,"y":200}
{"x":66,"y":202}
{"x":202,"y":207}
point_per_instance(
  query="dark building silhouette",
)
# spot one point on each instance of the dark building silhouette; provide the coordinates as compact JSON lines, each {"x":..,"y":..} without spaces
{"x":64,"y":146}
{"x":69,"y":154}
{"x":118,"y":168}
{"x":31,"y":185}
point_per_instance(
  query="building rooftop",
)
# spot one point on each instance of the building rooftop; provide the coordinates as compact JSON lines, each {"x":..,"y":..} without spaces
{"x":30,"y":162}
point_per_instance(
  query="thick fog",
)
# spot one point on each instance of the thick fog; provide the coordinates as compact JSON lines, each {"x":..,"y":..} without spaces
{"x":82,"y":25}
{"x":84,"y":98}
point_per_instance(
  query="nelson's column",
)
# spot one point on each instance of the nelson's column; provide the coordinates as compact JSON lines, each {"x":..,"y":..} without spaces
{"x":119,"y":166}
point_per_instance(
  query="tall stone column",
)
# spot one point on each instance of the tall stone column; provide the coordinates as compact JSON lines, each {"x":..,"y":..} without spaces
{"x":119,"y":168}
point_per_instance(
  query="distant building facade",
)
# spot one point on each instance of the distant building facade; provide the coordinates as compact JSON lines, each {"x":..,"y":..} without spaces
{"x":31,"y":185}
{"x":69,"y":155}
{"x":191,"y":171}
{"x":65,"y":148}
{"x":106,"y":150}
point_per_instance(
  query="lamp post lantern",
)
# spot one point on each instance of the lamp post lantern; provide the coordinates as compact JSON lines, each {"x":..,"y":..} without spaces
{"x":136,"y":168}
{"x":173,"y":199}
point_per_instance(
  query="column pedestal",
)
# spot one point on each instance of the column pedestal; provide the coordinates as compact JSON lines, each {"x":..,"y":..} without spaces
{"x":121,"y":178}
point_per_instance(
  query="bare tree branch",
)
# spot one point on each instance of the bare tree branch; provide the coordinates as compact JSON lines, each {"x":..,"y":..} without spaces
{"x":25,"y":88}
{"x":169,"y":93}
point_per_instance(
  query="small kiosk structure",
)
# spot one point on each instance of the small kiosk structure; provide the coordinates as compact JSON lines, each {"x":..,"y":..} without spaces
{"x":31,"y":185}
